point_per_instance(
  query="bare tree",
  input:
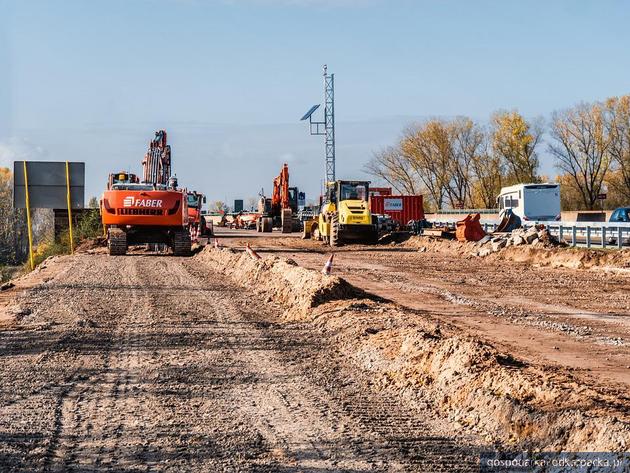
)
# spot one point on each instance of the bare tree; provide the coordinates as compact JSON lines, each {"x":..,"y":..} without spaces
{"x":428,"y":149}
{"x":13,"y":236}
{"x":391,"y":166}
{"x":582,"y":142}
{"x":219,"y":206}
{"x":487,"y":177}
{"x":466,"y":141}
{"x":252,"y":203}
{"x":618,"y":109}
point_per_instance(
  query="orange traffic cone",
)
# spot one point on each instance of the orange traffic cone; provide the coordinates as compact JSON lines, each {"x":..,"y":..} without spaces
{"x":328,"y":266}
{"x":251,"y":252}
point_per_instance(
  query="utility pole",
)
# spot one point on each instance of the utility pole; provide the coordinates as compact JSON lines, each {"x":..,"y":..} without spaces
{"x":327,"y":127}
{"x":329,"y":119}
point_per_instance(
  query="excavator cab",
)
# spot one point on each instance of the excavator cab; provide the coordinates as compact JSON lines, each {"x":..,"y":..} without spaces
{"x":195,"y":200}
{"x":122,"y":177}
{"x":196,"y":221}
{"x":293,"y":199}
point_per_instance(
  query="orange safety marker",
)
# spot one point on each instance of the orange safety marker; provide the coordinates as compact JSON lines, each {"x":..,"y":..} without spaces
{"x":328,"y":266}
{"x":251,"y":252}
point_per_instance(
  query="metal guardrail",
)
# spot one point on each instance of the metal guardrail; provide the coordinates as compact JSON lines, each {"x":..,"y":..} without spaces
{"x":464,"y":211}
{"x":588,"y":234}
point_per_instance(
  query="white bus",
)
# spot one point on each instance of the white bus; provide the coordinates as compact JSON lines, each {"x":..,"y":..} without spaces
{"x":531,"y":201}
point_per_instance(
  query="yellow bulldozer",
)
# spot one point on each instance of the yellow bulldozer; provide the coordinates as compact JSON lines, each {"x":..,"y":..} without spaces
{"x":344,"y":215}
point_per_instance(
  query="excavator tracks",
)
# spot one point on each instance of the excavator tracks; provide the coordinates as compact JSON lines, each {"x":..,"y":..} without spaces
{"x":117,"y":242}
{"x":181,"y":243}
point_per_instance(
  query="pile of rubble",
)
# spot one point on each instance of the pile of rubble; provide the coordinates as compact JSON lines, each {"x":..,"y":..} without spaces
{"x":536,"y":236}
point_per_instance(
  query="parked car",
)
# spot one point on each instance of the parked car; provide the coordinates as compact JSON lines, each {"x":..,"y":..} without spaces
{"x":621,"y":214}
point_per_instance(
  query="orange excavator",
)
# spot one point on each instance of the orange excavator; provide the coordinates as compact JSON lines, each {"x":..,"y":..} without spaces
{"x":279,"y":210}
{"x":151,"y":211}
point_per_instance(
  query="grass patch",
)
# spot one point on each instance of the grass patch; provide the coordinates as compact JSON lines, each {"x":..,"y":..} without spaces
{"x":88,"y":226}
{"x":7,"y":272}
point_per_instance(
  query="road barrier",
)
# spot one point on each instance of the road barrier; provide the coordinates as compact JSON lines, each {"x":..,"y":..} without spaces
{"x":251,"y":252}
{"x":328,"y":266}
{"x":585,"y":234}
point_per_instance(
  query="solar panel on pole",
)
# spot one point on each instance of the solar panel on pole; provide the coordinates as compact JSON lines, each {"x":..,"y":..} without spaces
{"x":328,"y":124}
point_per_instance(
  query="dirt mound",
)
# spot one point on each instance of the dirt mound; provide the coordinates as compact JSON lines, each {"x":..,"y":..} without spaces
{"x":576,"y":258}
{"x":441,"y":245}
{"x":296,"y":288}
{"x":541,"y":253}
{"x":476,"y":387}
{"x":91,"y":244}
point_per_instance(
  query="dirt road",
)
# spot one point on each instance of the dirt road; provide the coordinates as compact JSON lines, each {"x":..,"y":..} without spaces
{"x":156,"y":363}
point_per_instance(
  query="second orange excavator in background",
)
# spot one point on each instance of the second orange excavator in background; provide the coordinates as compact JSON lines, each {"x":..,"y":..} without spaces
{"x":281,"y":209}
{"x":196,"y":221}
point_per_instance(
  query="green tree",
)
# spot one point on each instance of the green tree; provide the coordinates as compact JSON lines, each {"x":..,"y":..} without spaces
{"x":515,"y":141}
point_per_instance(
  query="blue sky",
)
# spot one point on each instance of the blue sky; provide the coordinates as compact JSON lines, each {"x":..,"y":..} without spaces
{"x":90,"y":81}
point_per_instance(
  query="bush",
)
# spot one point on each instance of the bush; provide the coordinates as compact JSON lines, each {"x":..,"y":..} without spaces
{"x":48,"y":248}
{"x":88,"y":226}
{"x":4,"y":274}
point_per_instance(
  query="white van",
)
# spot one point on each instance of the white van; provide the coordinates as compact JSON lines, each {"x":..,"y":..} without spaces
{"x":531,"y":201}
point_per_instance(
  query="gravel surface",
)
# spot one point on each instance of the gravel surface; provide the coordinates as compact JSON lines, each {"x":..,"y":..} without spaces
{"x":155,"y":363}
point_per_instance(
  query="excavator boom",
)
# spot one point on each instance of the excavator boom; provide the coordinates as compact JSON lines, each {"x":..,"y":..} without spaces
{"x":156,"y":164}
{"x":280,"y":212}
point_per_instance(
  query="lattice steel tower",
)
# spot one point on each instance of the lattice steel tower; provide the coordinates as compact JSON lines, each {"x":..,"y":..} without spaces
{"x":327,"y":127}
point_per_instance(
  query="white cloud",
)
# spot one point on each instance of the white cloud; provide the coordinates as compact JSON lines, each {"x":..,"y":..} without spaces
{"x":19,"y":149}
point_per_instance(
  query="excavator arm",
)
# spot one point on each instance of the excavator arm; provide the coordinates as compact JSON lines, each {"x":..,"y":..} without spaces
{"x":280,"y":199}
{"x":156,"y":164}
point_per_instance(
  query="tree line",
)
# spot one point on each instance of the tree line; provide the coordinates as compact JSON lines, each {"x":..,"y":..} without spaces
{"x":462,"y":163}
{"x":13,"y":236}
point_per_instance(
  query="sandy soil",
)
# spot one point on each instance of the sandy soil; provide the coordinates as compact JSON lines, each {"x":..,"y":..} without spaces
{"x":466,"y":381}
{"x":558,"y":317}
{"x":420,"y":357}
{"x":157,"y":363}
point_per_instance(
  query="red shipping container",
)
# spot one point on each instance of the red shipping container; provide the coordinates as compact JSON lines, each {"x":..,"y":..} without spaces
{"x":380,"y":191}
{"x":400,"y":208}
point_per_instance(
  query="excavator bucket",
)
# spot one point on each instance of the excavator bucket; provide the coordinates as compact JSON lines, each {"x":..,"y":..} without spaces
{"x":469,"y":229}
{"x":509,"y":222}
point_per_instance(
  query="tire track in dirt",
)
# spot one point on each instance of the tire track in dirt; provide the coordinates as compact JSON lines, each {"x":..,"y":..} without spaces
{"x":80,"y":422}
{"x":152,"y":363}
{"x":355,"y":422}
